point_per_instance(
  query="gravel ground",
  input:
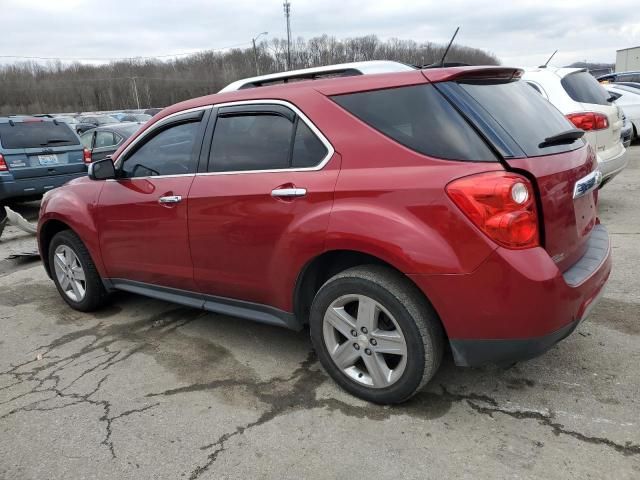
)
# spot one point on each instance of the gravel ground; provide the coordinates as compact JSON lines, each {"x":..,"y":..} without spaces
{"x":147,"y":389}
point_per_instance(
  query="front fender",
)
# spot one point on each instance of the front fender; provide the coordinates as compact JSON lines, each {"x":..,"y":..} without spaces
{"x":74,"y":205}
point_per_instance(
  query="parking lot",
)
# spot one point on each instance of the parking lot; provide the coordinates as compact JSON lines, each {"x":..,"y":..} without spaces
{"x":147,"y":389}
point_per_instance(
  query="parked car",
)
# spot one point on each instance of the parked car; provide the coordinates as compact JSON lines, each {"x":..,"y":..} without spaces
{"x":95,"y":121}
{"x":620,"y":77}
{"x":390,"y":213}
{"x":135,"y":117}
{"x":152,"y":111}
{"x":626,"y":134}
{"x":37,"y":155}
{"x":104,"y":141}
{"x":74,"y":123}
{"x":587,"y":104}
{"x":628,"y":98}
{"x":635,"y":86}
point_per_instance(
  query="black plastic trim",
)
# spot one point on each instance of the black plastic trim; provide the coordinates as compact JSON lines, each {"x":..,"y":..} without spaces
{"x":226,"y":306}
{"x":476,"y":353}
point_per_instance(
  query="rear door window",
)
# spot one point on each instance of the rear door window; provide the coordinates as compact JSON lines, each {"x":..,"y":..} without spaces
{"x":36,"y":135}
{"x":420,"y":118}
{"x":583,"y":88}
{"x":526,"y":117}
{"x":250,"y":141}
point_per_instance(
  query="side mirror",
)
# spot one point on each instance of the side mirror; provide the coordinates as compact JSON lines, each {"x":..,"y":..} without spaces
{"x":102,"y":170}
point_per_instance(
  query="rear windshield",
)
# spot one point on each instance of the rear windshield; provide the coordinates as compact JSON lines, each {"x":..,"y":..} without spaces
{"x":526,"y":117}
{"x":583,"y":88}
{"x":420,"y":118}
{"x":36,"y":134}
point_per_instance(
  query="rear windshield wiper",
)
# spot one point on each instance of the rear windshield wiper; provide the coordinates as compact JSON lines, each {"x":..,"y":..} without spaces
{"x":55,"y":140}
{"x":561,"y":138}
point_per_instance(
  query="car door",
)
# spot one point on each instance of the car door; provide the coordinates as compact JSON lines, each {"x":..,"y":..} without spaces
{"x":142,"y":215}
{"x":263,"y":204}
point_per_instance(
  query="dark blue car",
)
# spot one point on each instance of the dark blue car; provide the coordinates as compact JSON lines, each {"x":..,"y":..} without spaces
{"x":36,"y":155}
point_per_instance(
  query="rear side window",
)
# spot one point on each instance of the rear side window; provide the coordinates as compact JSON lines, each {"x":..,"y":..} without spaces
{"x":265,"y":141}
{"x":36,"y":135}
{"x":525,"y":116}
{"x":583,"y":88}
{"x":420,"y":118}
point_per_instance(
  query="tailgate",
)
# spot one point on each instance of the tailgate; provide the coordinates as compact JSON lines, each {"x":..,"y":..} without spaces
{"x":38,"y":148}
{"x":30,"y":162}
{"x":568,"y":215}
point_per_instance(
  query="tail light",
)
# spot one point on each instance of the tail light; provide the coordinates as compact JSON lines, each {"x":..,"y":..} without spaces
{"x":3,"y":164}
{"x":86,"y":155}
{"x":589,"y":120}
{"x":501,"y":204}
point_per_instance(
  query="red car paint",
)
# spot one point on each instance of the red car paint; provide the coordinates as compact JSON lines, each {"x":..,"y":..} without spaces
{"x":230,"y":238}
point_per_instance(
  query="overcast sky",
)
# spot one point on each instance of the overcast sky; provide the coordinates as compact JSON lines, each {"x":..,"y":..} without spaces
{"x":520,"y":33}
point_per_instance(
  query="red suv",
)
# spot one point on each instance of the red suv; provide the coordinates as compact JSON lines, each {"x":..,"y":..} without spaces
{"x":391,"y":213}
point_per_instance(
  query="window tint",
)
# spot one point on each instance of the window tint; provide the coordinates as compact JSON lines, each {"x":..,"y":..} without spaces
{"x":170,"y":152}
{"x":251,"y":142}
{"x":104,"y":139}
{"x":583,"y":88}
{"x":36,"y":134}
{"x":308,"y":150}
{"x":519,"y":110}
{"x":420,"y":118}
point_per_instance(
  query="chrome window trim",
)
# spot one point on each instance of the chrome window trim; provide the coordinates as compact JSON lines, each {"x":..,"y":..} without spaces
{"x":151,"y":129}
{"x":316,"y":131}
{"x":296,"y":110}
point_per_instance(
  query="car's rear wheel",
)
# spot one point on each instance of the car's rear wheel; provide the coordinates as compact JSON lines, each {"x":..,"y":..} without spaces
{"x":74,"y":272}
{"x":376,"y":334}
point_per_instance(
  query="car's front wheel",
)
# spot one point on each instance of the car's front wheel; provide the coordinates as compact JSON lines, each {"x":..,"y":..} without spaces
{"x":376,"y":334}
{"x":74,"y":272}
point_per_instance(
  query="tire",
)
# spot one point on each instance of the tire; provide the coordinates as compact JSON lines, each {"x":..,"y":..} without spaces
{"x":401,"y":313}
{"x":94,"y":295}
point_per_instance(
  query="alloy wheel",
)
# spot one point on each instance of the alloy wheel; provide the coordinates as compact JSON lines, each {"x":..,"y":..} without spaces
{"x":365,"y":341}
{"x":69,"y":272}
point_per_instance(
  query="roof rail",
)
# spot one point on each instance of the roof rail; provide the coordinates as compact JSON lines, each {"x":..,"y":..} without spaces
{"x":328,"y":71}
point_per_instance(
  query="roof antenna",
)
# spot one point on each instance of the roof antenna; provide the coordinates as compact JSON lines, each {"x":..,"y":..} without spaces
{"x":547,"y":62}
{"x":448,"y":47}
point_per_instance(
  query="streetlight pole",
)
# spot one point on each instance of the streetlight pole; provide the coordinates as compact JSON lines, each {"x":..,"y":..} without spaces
{"x":135,"y":92}
{"x":255,"y":50}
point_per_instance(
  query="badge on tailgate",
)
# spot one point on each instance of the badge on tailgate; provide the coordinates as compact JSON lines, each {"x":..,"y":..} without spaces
{"x":587,"y":184}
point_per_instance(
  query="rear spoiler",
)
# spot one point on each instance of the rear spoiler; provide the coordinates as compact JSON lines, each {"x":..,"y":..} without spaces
{"x":471,"y":74}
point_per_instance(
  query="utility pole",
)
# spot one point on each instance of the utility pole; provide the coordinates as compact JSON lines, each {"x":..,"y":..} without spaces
{"x":287,"y":15}
{"x":135,"y":92}
{"x":255,"y":50}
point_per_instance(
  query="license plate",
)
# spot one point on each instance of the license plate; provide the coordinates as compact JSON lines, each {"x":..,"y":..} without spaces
{"x":48,"y":159}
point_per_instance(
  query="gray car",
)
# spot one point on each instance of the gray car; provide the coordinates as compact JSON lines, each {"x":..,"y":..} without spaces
{"x":105,"y":140}
{"x":36,"y":155}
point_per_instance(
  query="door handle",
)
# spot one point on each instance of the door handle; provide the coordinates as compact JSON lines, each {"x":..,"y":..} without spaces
{"x":170,"y":199}
{"x":289,"y":192}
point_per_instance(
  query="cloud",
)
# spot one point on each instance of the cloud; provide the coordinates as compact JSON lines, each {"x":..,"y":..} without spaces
{"x":520,"y":33}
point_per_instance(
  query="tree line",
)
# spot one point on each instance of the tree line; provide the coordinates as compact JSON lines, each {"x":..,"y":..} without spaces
{"x":56,"y":87}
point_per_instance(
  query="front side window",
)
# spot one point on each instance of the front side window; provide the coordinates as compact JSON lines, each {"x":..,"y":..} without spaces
{"x":263,"y":141}
{"x":169,"y":152}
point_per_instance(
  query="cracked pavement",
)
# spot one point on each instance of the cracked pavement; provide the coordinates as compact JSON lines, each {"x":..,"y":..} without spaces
{"x":147,"y":389}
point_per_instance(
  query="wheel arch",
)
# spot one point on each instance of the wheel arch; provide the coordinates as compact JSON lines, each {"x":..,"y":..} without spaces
{"x":329,"y":263}
{"x":46,"y":233}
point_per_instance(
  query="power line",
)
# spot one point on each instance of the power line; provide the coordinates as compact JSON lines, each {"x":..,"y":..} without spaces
{"x":127,"y":58}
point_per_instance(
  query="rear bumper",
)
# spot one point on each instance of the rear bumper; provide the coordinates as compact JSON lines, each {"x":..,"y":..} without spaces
{"x":32,"y":187}
{"x":610,"y":167}
{"x":517,"y":304}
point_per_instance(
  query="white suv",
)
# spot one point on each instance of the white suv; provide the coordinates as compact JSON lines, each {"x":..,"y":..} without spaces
{"x":586,"y":103}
